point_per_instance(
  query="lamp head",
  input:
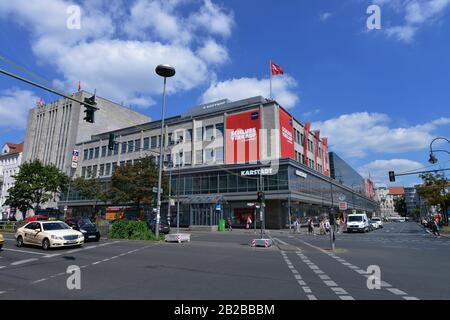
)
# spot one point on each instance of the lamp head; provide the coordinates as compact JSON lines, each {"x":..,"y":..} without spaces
{"x":432,"y":159}
{"x":164,"y":70}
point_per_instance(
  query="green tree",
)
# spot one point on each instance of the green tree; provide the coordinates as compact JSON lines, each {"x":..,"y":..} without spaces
{"x":400,"y":206}
{"x":90,"y":189}
{"x":35,"y":184}
{"x":433,"y":191}
{"x":133,"y":183}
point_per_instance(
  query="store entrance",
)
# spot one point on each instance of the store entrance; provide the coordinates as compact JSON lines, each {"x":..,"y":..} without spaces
{"x":204,"y":215}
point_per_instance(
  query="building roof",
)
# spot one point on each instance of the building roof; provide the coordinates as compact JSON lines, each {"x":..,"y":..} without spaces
{"x":396,"y":190}
{"x":14,"y":148}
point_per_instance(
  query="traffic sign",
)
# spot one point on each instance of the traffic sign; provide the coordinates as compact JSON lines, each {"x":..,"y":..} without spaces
{"x":75,"y":155}
{"x":155,"y":190}
{"x":218,"y":206}
{"x":74,"y":164}
{"x":342,"y":205}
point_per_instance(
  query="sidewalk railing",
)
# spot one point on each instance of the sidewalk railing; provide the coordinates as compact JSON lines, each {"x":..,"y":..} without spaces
{"x":8,"y":226}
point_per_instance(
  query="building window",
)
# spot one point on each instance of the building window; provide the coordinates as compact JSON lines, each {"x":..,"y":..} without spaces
{"x":89,"y":172}
{"x":97,"y":152}
{"x":85,"y":156}
{"x":209,"y":153}
{"x":199,"y":134}
{"x":122,"y":163}
{"x":179,"y":136}
{"x":91,"y":153}
{"x":83,"y":172}
{"x":219,"y":130}
{"x":209,"y":135}
{"x":137,"y":145}
{"x":146,"y":143}
{"x":116,"y":149}
{"x":170,"y":138}
{"x":103,"y":151}
{"x":124,"y":147}
{"x":189,"y":135}
{"x":94,"y":171}
{"x":101,"y":171}
{"x":199,"y":157}
{"x":219,"y":155}
{"x":108,"y":169}
{"x":188,"y":158}
{"x":114,"y":168}
{"x":154,"y":142}
{"x":130,"y":146}
{"x":129,"y":162}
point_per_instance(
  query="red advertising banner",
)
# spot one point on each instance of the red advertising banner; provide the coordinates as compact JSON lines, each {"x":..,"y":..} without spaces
{"x":370,"y":191}
{"x":326,"y":172}
{"x":316,"y":147}
{"x":286,"y":135}
{"x":242,"y":137}
{"x":305,"y":142}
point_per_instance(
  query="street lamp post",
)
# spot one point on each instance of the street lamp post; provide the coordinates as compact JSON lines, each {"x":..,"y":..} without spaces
{"x":432,"y":158}
{"x":165,"y":71}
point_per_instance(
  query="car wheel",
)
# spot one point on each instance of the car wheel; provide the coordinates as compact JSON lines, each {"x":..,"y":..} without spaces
{"x":46,"y":244}
{"x":19,"y":241}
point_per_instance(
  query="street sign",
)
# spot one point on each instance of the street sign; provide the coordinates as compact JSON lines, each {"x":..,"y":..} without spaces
{"x":74,"y":164}
{"x":342,"y":205}
{"x":218,"y":206}
{"x":75,"y":155}
{"x":172,"y":202}
{"x":155,"y":190}
{"x":250,"y":204}
{"x":341,"y":197}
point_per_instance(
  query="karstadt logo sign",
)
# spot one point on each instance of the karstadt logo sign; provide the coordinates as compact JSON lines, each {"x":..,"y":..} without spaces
{"x":241,"y":134}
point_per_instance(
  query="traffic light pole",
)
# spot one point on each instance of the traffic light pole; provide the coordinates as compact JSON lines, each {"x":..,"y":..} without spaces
{"x":46,"y":88}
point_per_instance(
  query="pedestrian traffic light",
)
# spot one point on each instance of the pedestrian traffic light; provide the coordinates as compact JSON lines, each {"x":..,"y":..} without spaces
{"x":391,"y":176}
{"x":260,"y":197}
{"x":90,"y":109}
{"x":112,"y":141}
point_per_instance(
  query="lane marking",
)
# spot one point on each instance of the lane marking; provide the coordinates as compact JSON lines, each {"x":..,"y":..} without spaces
{"x":40,"y":280}
{"x":2,"y":292}
{"x":16,"y":263}
{"x":396,"y":291}
{"x":97,"y":262}
{"x":24,"y":251}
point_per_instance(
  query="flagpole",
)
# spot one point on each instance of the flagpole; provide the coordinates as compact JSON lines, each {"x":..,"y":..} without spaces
{"x":270,"y":76}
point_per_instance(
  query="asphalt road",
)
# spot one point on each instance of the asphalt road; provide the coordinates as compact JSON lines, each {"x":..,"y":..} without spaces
{"x":413,"y":265}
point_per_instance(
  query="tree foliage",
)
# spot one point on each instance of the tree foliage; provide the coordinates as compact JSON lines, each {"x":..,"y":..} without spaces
{"x":133,"y":183}
{"x":35,"y":184}
{"x":400,"y":206}
{"x":433,"y":191}
{"x":91,"y":189}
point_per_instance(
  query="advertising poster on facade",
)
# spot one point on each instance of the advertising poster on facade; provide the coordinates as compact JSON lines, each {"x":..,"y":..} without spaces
{"x":326,"y":172}
{"x":242,"y":137}
{"x":286,"y":135}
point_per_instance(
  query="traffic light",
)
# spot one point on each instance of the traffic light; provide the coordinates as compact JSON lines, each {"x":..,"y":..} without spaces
{"x":90,"y":109}
{"x":112,"y":141}
{"x":260,"y":197}
{"x":391,"y":176}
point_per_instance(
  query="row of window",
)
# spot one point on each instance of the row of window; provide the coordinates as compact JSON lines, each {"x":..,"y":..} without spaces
{"x":209,"y":156}
{"x":207,"y":133}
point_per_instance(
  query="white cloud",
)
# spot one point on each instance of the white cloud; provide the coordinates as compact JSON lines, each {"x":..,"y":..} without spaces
{"x":117,"y":52}
{"x":213,"y":53}
{"x":416,"y":14}
{"x":236,"y":89}
{"x":311,"y":113}
{"x":213,"y":19}
{"x":325,"y":16}
{"x":14,"y":107}
{"x":379,"y":171}
{"x":358,"y":134}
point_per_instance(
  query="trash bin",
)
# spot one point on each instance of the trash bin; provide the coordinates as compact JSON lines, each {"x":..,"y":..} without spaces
{"x":221,"y":225}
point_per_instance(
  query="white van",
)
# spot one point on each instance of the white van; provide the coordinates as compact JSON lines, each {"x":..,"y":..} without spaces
{"x":357,"y":222}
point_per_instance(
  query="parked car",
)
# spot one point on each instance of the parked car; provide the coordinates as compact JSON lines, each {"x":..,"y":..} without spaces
{"x":48,"y":234}
{"x":357,"y":222}
{"x":36,"y":218}
{"x":2,"y":241}
{"x":377,"y":223}
{"x":164,"y":227}
{"x":86,"y":227}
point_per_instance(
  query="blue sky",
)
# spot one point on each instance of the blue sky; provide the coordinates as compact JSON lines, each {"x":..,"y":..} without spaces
{"x":379,"y":95}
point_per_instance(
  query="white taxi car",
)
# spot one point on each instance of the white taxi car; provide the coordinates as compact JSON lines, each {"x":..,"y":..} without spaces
{"x":48,"y":234}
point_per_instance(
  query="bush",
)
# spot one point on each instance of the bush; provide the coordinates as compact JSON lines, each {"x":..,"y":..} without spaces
{"x":131,"y":230}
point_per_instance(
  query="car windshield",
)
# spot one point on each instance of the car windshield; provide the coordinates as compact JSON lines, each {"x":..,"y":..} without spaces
{"x":376,"y":219}
{"x":55,"y":226}
{"x":354,"y":218}
{"x":85,"y":222}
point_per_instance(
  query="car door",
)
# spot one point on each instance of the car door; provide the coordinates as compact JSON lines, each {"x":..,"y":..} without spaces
{"x":35,"y":233}
{"x":29,"y":232}
{"x":39,"y":234}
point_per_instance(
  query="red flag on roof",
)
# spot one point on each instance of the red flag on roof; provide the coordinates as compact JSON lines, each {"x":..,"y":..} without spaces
{"x":79,"y":86}
{"x":41,"y":104}
{"x":276,"y":69}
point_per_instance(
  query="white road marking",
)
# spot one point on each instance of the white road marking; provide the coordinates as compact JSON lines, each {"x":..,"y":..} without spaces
{"x":311,"y":297}
{"x":40,"y":280}
{"x":97,"y":262}
{"x":16,"y":263}
{"x":25,"y":251}
{"x":2,"y":292}
{"x":346,"y":298}
{"x":396,"y":291}
{"x":411,"y":298}
{"x":1,"y":267}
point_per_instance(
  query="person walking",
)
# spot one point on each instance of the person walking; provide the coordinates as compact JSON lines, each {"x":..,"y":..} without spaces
{"x":249,"y":222}
{"x":298,"y":225}
{"x":327,"y":226}
{"x":229,"y":224}
{"x":310,"y":226}
{"x":436,"y":228}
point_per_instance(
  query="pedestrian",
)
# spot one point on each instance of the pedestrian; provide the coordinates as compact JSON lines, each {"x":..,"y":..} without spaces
{"x":327,"y":226}
{"x":249,"y":222}
{"x":436,"y":228}
{"x":321,"y":228}
{"x":310,"y":226}
{"x":229,"y":224}
{"x":296,"y":225}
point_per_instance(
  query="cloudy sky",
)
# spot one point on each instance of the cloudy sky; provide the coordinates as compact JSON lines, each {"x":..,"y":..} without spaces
{"x":380,"y":95}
